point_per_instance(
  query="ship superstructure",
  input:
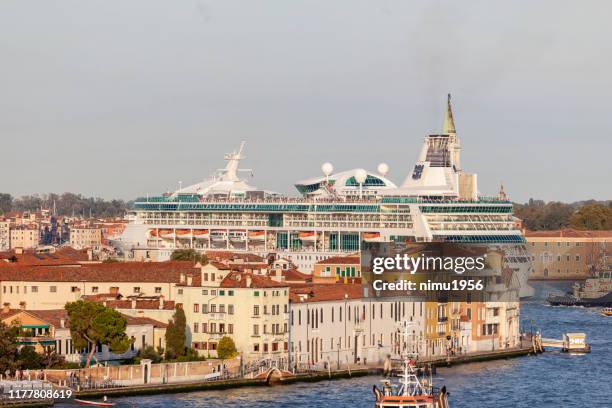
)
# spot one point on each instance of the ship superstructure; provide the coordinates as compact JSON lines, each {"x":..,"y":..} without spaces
{"x":334,"y":214}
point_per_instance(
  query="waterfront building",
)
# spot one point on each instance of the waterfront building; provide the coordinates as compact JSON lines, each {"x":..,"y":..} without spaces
{"x":335,"y":214}
{"x":568,"y":254}
{"x":49,"y":330}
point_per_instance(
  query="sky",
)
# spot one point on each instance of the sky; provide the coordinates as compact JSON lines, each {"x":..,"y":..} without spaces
{"x":119,"y":99}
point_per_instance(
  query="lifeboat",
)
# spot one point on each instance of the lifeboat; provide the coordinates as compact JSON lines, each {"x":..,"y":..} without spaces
{"x":201,"y":234}
{"x":237,"y":235}
{"x":372,"y":237}
{"x":257,"y":235}
{"x":152,"y":233}
{"x":184,"y":234}
{"x":307,"y":236}
{"x":167,"y":234}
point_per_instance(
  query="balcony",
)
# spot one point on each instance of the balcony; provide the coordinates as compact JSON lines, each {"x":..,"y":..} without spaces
{"x":442,"y":319}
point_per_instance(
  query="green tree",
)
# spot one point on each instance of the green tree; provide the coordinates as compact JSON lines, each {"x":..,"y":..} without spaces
{"x":175,"y":334}
{"x":92,"y":323}
{"x":150,"y":353}
{"x":592,"y":217}
{"x":226,"y":348}
{"x":29,"y":359}
{"x":188,"y":255}
{"x":8,"y":347}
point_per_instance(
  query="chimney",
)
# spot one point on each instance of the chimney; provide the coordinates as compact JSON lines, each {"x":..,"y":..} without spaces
{"x":249,"y":281}
{"x":6,"y":307}
{"x":133,"y":303}
{"x":189,"y":280}
{"x":90,"y":254}
{"x":161,"y":302}
{"x":22,"y":305}
{"x":182,"y":278}
{"x":18,"y":251}
{"x":63,"y":323}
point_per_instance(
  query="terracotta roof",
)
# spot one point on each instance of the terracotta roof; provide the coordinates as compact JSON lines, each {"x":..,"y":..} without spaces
{"x":140,"y":304}
{"x":63,"y":256}
{"x":293,"y":275}
{"x":568,"y":233}
{"x":341,"y":260}
{"x":165,"y":272}
{"x":239,"y":280}
{"x":323,"y":292}
{"x":55,"y":316}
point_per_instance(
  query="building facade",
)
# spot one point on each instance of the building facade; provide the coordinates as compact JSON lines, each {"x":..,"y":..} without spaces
{"x":567,"y":254}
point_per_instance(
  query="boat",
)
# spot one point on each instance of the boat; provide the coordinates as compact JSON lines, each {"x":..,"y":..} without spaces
{"x":307,"y":236}
{"x":184,"y":234}
{"x":594,"y":292}
{"x":237,"y":236}
{"x":372,"y":237}
{"x":336,"y":212}
{"x":257,"y":235}
{"x":412,"y":391}
{"x":606,"y":311}
{"x":104,"y":403}
{"x":201,"y":234}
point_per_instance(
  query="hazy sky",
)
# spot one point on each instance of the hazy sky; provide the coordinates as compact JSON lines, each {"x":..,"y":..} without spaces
{"x":123,"y":98}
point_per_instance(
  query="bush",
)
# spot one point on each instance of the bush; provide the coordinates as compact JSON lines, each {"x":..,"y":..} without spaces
{"x":150,"y":353}
{"x":226,"y":348}
{"x":188,"y":255}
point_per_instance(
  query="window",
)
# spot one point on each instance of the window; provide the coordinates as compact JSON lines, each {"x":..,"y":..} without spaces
{"x":230,"y":328}
{"x":74,"y":289}
{"x":221,"y":308}
{"x":94,"y":289}
{"x":213,"y":308}
{"x":53,"y":289}
{"x":256,"y":347}
{"x":230,"y":309}
{"x":180,"y":291}
{"x":213,"y":327}
{"x":221,"y":293}
{"x":256,"y":310}
{"x":204,"y":308}
{"x":230,"y":293}
{"x":195,"y":327}
{"x":255,"y":330}
{"x":205,"y":291}
{"x":256,"y":293}
{"x":34,"y":289}
{"x":204,"y":328}
{"x":158,"y":289}
{"x":196,"y":309}
{"x":136,"y":289}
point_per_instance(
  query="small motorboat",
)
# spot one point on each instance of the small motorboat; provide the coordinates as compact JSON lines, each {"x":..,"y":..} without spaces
{"x":606,"y":311}
{"x":104,"y":403}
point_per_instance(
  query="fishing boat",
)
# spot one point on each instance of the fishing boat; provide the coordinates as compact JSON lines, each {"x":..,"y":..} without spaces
{"x":104,"y":403}
{"x":606,"y":311}
{"x":412,"y":391}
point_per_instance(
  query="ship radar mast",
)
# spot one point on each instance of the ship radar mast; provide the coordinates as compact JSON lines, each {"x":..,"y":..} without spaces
{"x":230,"y":172}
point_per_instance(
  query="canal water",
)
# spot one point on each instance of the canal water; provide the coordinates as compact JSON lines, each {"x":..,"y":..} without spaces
{"x":553,"y":379}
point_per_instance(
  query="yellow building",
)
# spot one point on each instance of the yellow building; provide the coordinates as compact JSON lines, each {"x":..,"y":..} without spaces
{"x":85,"y":237}
{"x":567,"y":254}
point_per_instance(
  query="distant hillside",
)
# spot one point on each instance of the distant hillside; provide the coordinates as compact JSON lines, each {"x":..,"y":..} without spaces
{"x":585,"y":215}
{"x":65,"y":204}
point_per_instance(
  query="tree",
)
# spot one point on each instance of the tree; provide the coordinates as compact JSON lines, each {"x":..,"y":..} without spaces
{"x":29,"y":359}
{"x":188,"y":255}
{"x":6,"y":203}
{"x":8,"y":347}
{"x":592,"y":217}
{"x":92,"y":324}
{"x":226,"y":348}
{"x":175,"y":334}
{"x":150,"y":353}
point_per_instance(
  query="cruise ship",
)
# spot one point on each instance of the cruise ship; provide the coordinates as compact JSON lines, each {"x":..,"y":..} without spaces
{"x":334,"y":213}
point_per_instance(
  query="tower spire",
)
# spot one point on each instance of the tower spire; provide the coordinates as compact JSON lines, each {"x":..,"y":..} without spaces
{"x":449,"y":123}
